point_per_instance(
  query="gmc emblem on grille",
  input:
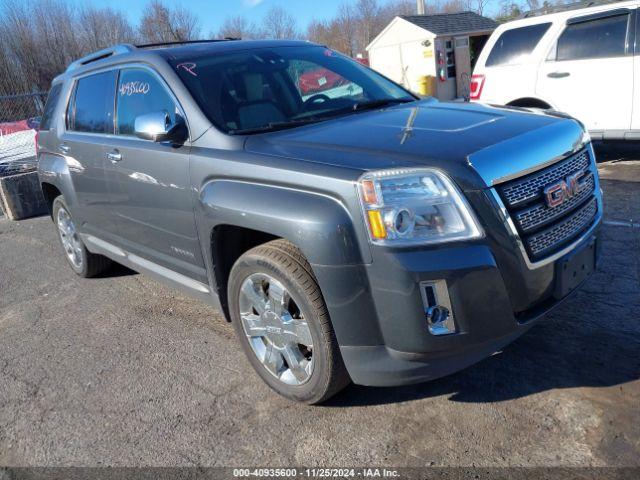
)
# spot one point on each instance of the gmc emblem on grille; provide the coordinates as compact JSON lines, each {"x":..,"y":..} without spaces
{"x":559,"y":192}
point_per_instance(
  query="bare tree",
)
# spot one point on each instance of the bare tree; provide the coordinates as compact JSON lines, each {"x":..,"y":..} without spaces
{"x":163,"y":24}
{"x":102,"y":27}
{"x":396,"y":8}
{"x":39,"y":39}
{"x":370,"y":22}
{"x":357,"y":23}
{"x":35,"y":40}
{"x":392,"y":9}
{"x":345,"y":29}
{"x":319,"y":31}
{"x":338,"y":33}
{"x":532,"y":4}
{"x":479,"y":6}
{"x":239,"y":27}
{"x":509,"y":10}
{"x":453,"y":6}
{"x":279,"y":24}
{"x":186,"y":22}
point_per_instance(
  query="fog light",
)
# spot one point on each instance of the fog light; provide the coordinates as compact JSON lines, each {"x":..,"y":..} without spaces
{"x":437,"y":314}
{"x":437,"y":307}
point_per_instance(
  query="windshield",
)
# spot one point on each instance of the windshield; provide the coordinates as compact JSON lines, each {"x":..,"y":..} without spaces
{"x":272,"y":88}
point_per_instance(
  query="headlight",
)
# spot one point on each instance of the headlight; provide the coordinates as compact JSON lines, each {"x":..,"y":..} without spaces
{"x":415,"y":207}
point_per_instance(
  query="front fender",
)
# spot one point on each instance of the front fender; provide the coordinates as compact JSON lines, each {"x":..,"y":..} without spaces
{"x":55,"y":170}
{"x":319,"y":225}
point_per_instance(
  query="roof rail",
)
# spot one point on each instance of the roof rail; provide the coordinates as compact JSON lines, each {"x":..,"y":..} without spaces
{"x":185,"y":42}
{"x":564,"y":8}
{"x":100,"y":54}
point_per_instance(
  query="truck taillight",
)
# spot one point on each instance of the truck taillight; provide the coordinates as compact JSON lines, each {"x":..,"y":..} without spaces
{"x":477,"y":83}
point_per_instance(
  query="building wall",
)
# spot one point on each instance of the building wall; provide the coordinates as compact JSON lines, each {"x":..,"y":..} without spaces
{"x":399,"y":53}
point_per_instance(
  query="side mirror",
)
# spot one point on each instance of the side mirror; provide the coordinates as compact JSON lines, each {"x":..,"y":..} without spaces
{"x":157,"y":126}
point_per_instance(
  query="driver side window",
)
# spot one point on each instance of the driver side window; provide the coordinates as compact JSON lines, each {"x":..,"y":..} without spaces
{"x":140,"y":92}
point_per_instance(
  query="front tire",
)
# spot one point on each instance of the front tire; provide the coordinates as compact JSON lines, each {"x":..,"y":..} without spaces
{"x":83,"y":262}
{"x":282,"y":323}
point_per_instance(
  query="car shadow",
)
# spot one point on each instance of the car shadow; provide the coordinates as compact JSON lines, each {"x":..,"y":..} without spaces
{"x":116,"y":270}
{"x":616,"y":150}
{"x":591,"y":340}
{"x":551,"y":356}
{"x":5,"y":216}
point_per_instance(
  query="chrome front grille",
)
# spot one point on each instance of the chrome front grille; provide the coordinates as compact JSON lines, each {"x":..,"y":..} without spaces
{"x":530,"y":187}
{"x":539,"y":215}
{"x":546,"y":240}
{"x":544,"y":229}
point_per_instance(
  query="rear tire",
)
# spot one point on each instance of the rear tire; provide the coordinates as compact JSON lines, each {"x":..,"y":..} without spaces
{"x":82,"y":261}
{"x":283,"y":325}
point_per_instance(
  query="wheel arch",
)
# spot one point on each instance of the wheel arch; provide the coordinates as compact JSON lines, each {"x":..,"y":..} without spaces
{"x":235,"y":216}
{"x":227,"y":244}
{"x":54,"y":175}
{"x":50,"y":193}
{"x":530,"y":102}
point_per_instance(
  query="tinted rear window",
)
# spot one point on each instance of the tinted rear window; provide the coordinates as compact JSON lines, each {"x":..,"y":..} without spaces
{"x":92,"y":104}
{"x":601,"y":38}
{"x":516,"y":43}
{"x":50,"y":106}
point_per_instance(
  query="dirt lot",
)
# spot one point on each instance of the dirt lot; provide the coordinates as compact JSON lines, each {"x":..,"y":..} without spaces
{"x":122,"y":371}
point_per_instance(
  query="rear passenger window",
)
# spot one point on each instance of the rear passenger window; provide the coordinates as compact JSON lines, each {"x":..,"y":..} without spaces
{"x":601,"y":38}
{"x":50,"y":106}
{"x":140,"y":92}
{"x":512,"y":45}
{"x":91,"y":108}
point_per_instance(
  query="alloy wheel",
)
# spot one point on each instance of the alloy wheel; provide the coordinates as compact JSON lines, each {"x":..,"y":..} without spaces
{"x":70,"y":238}
{"x":276,"y":329}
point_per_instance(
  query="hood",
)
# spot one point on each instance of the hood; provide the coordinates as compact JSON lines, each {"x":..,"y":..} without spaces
{"x":477,"y":145}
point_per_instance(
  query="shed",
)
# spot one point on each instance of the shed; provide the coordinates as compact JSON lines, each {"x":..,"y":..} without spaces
{"x":444,"y":46}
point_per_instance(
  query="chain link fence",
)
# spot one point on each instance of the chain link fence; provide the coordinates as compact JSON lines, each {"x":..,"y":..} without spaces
{"x":19,"y":120}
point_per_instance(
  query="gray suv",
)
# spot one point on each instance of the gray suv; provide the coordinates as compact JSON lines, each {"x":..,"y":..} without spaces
{"x":349,"y":230}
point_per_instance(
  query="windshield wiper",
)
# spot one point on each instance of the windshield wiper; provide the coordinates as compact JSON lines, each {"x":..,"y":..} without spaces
{"x":274,"y":126}
{"x":379,"y":103}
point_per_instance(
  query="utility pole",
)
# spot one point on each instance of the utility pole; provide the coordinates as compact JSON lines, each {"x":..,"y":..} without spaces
{"x":420,"y":7}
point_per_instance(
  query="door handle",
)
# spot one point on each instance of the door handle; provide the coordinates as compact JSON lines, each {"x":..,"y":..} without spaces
{"x":114,"y":157}
{"x":64,"y":148}
{"x":558,"y":74}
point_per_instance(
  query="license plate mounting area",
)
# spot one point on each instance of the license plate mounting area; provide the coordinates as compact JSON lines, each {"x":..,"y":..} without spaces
{"x":574,"y":268}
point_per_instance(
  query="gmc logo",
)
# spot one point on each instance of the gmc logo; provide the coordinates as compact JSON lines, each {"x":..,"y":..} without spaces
{"x":559,"y":192}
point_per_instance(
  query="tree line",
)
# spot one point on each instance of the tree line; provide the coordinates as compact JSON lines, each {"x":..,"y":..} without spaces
{"x":38,"y":39}
{"x":512,"y":9}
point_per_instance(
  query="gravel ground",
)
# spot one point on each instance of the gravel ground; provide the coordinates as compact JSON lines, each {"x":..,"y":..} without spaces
{"x":122,"y":371}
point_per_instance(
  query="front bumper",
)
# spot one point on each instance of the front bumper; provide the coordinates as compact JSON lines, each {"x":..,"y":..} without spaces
{"x":377,"y":310}
{"x":381,"y":366}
